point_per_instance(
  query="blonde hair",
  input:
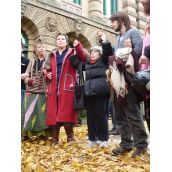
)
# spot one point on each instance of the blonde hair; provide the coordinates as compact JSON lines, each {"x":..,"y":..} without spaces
{"x":38,"y":41}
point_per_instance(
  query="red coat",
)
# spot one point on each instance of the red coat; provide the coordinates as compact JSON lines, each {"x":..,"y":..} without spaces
{"x":60,"y":106}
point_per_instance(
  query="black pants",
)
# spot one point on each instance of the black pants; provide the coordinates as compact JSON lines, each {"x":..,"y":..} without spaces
{"x":130,"y":123}
{"x":112,"y":112}
{"x":97,"y":118}
{"x":147,"y":110}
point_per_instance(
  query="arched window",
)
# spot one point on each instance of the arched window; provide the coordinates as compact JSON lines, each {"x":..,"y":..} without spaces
{"x":24,"y":40}
{"x":110,"y":7}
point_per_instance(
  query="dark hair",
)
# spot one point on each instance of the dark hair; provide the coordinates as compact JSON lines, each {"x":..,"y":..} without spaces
{"x":146,"y":6}
{"x":22,"y":44}
{"x":121,"y":17}
{"x":66,"y":37}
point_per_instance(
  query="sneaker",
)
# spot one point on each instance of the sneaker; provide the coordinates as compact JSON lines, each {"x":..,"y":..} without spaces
{"x":120,"y":150}
{"x":112,"y":130}
{"x":91,"y":143}
{"x":138,"y":152}
{"x":116,"y":132}
{"x":103,"y":144}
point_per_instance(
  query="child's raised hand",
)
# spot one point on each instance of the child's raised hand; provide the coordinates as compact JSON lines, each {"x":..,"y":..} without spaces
{"x":101,"y":35}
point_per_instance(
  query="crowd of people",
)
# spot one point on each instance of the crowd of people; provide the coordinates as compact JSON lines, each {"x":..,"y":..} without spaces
{"x":48,"y":83}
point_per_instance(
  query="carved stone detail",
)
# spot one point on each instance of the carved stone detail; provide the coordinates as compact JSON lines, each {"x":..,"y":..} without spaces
{"x":48,"y":23}
{"x":71,"y":24}
{"x":40,"y":15}
{"x":72,"y":7}
{"x":84,"y":28}
{"x":64,"y":26}
{"x":51,"y":24}
{"x":78,"y":27}
{"x":30,"y":11}
{"x":50,"y":41}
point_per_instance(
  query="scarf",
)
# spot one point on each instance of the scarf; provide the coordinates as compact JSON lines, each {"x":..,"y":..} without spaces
{"x":116,"y":76}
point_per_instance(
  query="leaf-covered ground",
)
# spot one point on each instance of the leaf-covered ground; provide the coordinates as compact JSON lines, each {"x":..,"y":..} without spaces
{"x":41,"y":156}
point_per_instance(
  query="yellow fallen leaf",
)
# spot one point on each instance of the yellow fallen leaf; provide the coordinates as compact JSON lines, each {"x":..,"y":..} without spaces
{"x":42,"y":156}
{"x":39,"y":168}
{"x":29,"y":159}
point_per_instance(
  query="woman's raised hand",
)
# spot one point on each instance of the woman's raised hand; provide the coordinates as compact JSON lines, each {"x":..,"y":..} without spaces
{"x":75,"y":42}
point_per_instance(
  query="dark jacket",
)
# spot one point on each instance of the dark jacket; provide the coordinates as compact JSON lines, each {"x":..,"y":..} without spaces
{"x":147,"y":51}
{"x":96,"y":84}
{"x":24,"y":64}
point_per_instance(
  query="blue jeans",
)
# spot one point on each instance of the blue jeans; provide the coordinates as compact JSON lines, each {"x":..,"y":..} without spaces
{"x":130,"y":123}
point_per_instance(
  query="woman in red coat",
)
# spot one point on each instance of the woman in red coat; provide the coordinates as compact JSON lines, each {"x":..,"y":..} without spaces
{"x":60,"y":88}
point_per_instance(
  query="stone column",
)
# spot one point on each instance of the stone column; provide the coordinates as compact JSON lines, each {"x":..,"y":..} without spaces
{"x":96,"y":8}
{"x":130,"y":8}
{"x":141,"y":19}
{"x":120,"y":5}
{"x":85,"y":7}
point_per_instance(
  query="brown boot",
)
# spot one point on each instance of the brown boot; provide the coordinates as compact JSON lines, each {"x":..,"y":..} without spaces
{"x":55,"y":134}
{"x":139,"y":152}
{"x":69,"y":132}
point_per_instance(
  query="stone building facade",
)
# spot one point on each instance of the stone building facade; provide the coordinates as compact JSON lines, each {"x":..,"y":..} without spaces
{"x":78,"y":19}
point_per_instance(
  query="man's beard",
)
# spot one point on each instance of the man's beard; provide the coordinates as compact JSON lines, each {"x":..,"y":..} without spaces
{"x":147,"y":10}
{"x":118,"y":29}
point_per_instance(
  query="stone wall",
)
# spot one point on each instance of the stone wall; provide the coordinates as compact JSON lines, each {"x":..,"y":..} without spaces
{"x":42,"y":20}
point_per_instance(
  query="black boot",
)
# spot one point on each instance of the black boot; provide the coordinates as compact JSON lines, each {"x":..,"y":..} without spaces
{"x":116,"y":132}
{"x":120,"y":150}
{"x":138,"y":152}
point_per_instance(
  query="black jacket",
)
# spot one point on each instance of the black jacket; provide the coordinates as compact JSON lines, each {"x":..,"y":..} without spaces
{"x":24,"y":64}
{"x":96,"y":84}
{"x":147,"y":51}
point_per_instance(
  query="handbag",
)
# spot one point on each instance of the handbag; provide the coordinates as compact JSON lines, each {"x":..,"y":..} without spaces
{"x":79,"y":91}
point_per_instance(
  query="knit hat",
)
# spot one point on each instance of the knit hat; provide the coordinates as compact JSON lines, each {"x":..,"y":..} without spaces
{"x":97,"y":48}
